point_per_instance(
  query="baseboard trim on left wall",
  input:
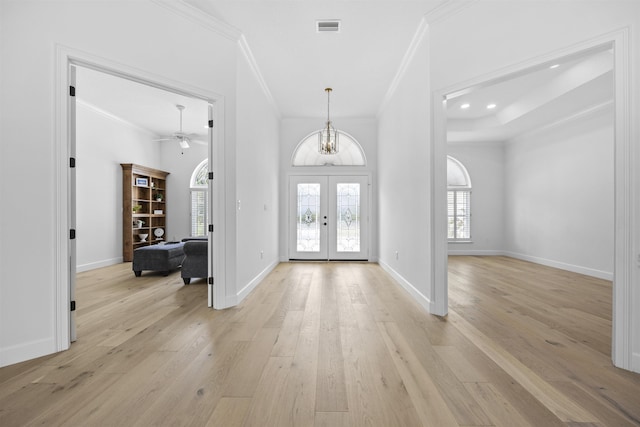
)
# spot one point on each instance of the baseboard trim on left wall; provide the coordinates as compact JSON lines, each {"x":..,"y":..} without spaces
{"x":254,"y":282}
{"x":27,"y":351}
{"x":98,"y":264}
{"x":418,"y":296}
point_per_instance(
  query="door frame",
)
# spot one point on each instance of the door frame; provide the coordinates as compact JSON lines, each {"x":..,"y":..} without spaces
{"x":624,"y":329}
{"x":64,"y":215}
{"x":327,"y":174}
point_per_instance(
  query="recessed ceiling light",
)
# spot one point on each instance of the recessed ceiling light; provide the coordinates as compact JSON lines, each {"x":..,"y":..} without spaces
{"x":465,"y":106}
{"x":491,"y":106}
{"x":554,"y":66}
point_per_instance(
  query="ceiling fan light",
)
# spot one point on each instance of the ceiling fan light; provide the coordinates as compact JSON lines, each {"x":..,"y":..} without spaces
{"x":184,"y":143}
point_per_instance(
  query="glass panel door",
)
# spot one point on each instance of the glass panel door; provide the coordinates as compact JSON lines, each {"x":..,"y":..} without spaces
{"x":308,"y":218}
{"x":329,"y":218}
{"x":349,"y":228}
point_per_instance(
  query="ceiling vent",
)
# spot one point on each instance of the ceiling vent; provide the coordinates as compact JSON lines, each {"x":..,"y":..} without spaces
{"x":328,"y":26}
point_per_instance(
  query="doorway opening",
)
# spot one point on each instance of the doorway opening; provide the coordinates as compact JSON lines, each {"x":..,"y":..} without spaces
{"x":617,"y":45}
{"x":74,"y":99}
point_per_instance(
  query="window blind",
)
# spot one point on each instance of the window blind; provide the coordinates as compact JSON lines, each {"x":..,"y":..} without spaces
{"x":199,"y":217}
{"x":459,"y":214}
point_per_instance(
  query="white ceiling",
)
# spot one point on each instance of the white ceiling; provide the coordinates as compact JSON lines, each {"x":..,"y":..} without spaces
{"x":359,"y":63}
{"x":144,"y":107}
{"x":531,"y":101}
{"x":297,"y":62}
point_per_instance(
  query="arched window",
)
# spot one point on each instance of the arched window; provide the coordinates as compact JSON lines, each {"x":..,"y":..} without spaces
{"x":459,"y":201}
{"x":350,"y":153}
{"x":199,"y":214}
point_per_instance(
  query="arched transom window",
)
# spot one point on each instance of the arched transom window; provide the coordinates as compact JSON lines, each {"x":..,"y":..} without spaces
{"x":458,"y":200}
{"x":350,"y":153}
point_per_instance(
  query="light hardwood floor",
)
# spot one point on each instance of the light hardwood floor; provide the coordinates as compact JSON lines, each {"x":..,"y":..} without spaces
{"x":333,"y":344}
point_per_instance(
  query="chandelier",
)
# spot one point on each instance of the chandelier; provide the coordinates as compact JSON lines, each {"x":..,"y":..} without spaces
{"x":328,"y":137}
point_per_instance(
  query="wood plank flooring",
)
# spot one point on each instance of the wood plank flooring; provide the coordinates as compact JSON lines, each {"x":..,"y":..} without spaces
{"x":333,"y":344}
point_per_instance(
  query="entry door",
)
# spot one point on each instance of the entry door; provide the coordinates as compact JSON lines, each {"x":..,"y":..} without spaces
{"x":329,"y":217}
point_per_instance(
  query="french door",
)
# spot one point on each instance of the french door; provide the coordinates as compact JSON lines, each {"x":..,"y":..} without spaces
{"x":329,"y":217}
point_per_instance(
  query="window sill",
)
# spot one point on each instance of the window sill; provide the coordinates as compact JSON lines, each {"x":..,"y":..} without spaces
{"x":459,"y":241}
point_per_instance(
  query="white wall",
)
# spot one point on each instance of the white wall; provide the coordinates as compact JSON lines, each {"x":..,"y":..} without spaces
{"x":180,"y":164}
{"x":405,"y":199}
{"x":559,"y":196}
{"x":485,"y":164}
{"x":489,"y":38}
{"x":256,"y":208}
{"x":293,"y":130}
{"x":131,"y":33}
{"x":102,"y":144}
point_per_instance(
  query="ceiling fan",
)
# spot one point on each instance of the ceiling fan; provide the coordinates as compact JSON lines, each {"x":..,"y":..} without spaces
{"x":182,"y":138}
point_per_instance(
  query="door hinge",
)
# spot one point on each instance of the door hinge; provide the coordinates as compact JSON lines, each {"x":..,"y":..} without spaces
{"x":73,"y":306}
{"x":72,"y":234}
{"x":210,"y":123}
{"x":72,"y":162}
{"x":72,"y":91}
{"x":211,"y":228}
{"x":210,"y":175}
{"x":211,"y":280}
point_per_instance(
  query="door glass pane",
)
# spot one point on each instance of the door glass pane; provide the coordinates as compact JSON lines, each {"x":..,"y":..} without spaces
{"x":348,"y":223}
{"x":308,"y":213}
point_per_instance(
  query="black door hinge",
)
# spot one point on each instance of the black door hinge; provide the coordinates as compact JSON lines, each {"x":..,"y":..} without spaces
{"x":210,"y":123}
{"x":72,"y":234}
{"x":210,"y":175}
{"x":72,"y":162}
{"x":73,"y":306}
{"x":72,"y":91}
{"x":211,"y":280}
{"x":211,"y":228}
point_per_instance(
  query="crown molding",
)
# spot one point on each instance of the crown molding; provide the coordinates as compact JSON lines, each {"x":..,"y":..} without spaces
{"x":113,"y":117}
{"x":440,"y":13}
{"x":404,"y":64}
{"x":193,"y":14}
{"x":197,"y":16}
{"x":246,"y":50}
{"x":588,"y":113}
{"x":446,"y":10}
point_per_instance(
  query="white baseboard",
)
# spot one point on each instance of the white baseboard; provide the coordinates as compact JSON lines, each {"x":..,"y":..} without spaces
{"x":27,"y":351}
{"x":416,"y":294}
{"x":472,"y":252}
{"x":254,"y":282}
{"x":635,"y":362}
{"x":98,"y":264}
{"x":605,"y":275}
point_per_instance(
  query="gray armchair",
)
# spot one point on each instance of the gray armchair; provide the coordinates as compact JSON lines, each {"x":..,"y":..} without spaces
{"x":195,"y":260}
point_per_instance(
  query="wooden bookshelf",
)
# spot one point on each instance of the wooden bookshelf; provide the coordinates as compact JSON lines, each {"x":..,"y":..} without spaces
{"x":140,"y":187}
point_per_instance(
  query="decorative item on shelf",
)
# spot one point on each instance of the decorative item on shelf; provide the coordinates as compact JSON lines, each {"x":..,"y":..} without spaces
{"x":142,"y":182}
{"x":138,"y":223}
{"x":136,"y":208}
{"x":158,"y":211}
{"x":158,"y":232}
{"x":328,"y":136}
{"x":158,"y":197}
{"x":143,"y":237}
